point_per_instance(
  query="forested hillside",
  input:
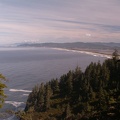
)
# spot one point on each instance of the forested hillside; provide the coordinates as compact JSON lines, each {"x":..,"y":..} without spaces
{"x":90,"y":95}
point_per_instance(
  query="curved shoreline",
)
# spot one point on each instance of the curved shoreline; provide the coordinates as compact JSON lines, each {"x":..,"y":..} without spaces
{"x":96,"y":54}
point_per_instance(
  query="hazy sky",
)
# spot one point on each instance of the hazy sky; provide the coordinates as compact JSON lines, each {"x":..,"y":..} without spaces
{"x":59,"y":21}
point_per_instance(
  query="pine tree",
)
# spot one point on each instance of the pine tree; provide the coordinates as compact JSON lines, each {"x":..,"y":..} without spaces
{"x":87,"y":108}
{"x":68,"y":112}
{"x":47,"y":96}
{"x":2,"y":86}
{"x":40,"y":99}
{"x":77,"y":71}
{"x":115,"y":55}
{"x":84,"y":90}
{"x":76,"y":82}
{"x":32,"y":98}
{"x":102,"y":101}
{"x":91,"y":93}
{"x":62,"y":85}
{"x":56,"y":86}
{"x":69,"y":85}
{"x":105,"y":74}
{"x":117,"y":75}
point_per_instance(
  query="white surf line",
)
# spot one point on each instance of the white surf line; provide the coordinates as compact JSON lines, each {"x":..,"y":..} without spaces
{"x":14,"y":103}
{"x":85,"y":52}
{"x":25,"y":94}
{"x":19,"y":90}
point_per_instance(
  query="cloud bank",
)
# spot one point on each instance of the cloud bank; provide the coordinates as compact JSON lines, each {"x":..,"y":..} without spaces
{"x":59,"y":21}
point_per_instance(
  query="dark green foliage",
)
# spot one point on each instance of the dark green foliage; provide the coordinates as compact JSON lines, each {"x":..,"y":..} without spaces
{"x":55,"y":86}
{"x":68,"y":112}
{"x":40,"y":99}
{"x":90,"y":94}
{"x":47,"y":96}
{"x":32,"y":98}
{"x":69,"y":85}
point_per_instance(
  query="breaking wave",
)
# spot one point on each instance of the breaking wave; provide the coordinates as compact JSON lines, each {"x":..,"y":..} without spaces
{"x":14,"y":103}
{"x":25,"y":94}
{"x":19,"y":90}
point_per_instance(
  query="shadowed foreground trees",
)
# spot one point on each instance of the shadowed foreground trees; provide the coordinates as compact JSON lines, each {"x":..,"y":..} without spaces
{"x":92,"y":94}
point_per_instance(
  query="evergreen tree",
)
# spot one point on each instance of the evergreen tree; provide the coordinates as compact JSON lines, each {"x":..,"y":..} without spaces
{"x":57,"y":90}
{"x":68,"y":112}
{"x":115,"y":55}
{"x":2,"y":86}
{"x":62,"y":85}
{"x":91,"y":93}
{"x":84,"y":90}
{"x":40,"y":99}
{"x":55,"y":86}
{"x":102,"y":103}
{"x":69,"y":85}
{"x":117,"y":75}
{"x":77,"y":72}
{"x":87,"y":107}
{"x":47,"y":96}
{"x":105,"y":75}
{"x":76,"y":82}
{"x":32,"y":98}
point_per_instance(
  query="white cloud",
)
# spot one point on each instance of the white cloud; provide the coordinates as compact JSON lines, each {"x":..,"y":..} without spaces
{"x":88,"y":34}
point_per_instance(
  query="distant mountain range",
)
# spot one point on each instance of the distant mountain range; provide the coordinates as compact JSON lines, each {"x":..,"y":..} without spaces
{"x":75,"y":45}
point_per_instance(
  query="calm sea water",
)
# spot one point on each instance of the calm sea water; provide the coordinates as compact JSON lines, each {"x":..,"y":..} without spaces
{"x":26,"y":67}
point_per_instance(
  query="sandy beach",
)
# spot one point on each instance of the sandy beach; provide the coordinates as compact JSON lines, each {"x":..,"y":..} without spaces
{"x":106,"y":54}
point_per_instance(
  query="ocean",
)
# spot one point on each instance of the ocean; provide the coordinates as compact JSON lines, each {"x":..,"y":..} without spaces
{"x":26,"y":67}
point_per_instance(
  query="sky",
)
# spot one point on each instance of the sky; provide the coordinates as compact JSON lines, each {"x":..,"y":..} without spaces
{"x":59,"y":21}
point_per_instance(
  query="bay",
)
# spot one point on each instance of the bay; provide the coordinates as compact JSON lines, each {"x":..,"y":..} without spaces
{"x":26,"y":67}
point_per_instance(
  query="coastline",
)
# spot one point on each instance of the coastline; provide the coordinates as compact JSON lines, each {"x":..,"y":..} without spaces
{"x":93,"y":53}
